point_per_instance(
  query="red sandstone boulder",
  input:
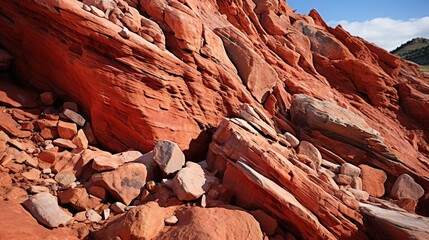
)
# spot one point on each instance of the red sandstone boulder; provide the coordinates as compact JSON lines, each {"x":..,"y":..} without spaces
{"x":78,"y":198}
{"x":142,"y":222}
{"x":67,"y":130}
{"x":223,"y":222}
{"x":17,"y":223}
{"x":123,"y":183}
{"x":373,"y":180}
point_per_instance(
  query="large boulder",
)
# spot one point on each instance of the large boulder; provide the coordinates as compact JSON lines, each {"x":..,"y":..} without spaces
{"x":142,"y":222}
{"x":406,"y":187}
{"x":223,"y":222}
{"x":123,"y":183}
{"x":192,"y":182}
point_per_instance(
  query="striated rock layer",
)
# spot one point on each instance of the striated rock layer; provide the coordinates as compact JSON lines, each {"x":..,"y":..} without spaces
{"x":151,"y":70}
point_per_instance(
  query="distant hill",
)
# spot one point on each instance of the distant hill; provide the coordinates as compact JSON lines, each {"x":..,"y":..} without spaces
{"x":415,"y":50}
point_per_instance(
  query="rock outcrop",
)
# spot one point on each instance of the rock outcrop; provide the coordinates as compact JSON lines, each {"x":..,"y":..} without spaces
{"x":283,"y":108}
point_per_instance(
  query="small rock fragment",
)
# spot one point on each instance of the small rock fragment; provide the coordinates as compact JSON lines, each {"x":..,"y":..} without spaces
{"x":349,"y":169}
{"x":359,"y":194}
{"x":106,"y":213}
{"x":151,"y":186}
{"x":125,"y":33}
{"x":118,"y":207}
{"x":311,"y":151}
{"x":192,"y":182}
{"x":38,"y":189}
{"x":343,"y":179}
{"x":80,"y":216}
{"x":93,"y":216}
{"x":203,"y":201}
{"x":75,"y":117}
{"x":65,"y":178}
{"x":294,"y":142}
{"x":64,"y":143}
{"x":171,"y":220}
{"x":124,"y":183}
{"x":80,"y":139}
{"x":33,"y":174}
{"x":373,"y":180}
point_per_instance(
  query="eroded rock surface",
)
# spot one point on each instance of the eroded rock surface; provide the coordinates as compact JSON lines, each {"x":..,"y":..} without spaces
{"x":145,"y":71}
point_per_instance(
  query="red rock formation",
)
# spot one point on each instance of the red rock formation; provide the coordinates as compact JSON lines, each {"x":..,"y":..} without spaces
{"x":168,"y":69}
{"x":182,"y":92}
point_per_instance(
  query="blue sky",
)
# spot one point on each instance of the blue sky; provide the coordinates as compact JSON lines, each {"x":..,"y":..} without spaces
{"x":386,"y":23}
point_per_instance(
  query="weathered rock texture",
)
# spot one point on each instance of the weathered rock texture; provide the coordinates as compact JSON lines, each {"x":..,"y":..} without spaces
{"x":180,"y":86}
{"x":144,"y":71}
{"x":386,"y":223}
{"x":223,"y":222}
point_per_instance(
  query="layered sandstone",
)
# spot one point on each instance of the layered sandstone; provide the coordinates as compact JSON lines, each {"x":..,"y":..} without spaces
{"x":286,"y":101}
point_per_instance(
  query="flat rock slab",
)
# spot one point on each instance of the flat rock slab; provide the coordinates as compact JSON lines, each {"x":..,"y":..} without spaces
{"x":328,"y":117}
{"x":10,"y":126}
{"x":44,"y":207}
{"x":388,"y":224}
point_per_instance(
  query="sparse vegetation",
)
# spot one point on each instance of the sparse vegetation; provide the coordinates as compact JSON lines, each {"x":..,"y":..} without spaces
{"x":415,"y":50}
{"x":424,"y":68}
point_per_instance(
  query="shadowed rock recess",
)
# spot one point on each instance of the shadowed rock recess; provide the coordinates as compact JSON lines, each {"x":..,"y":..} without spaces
{"x":236,"y":119}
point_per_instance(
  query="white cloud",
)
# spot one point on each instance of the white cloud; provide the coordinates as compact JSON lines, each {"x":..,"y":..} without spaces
{"x":386,"y":32}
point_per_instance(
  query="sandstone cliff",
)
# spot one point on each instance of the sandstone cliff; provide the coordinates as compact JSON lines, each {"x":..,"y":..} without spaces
{"x":276,"y":101}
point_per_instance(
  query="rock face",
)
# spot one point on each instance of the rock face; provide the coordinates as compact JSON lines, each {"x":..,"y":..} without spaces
{"x":44,"y":207}
{"x":250,"y":76}
{"x":249,"y":162}
{"x":187,"y":73}
{"x":214,"y":223}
